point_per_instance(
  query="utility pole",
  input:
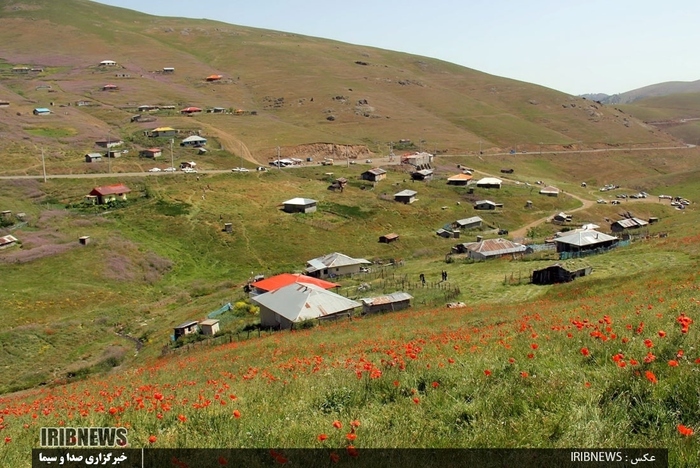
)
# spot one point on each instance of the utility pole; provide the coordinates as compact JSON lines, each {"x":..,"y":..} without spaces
{"x":279,"y":166}
{"x":172,"y":158}
{"x":43,"y":164}
{"x":109,"y":155}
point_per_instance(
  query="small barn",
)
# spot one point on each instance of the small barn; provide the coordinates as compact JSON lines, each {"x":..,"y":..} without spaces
{"x":492,"y":248}
{"x":194,"y":140}
{"x":420,"y":160}
{"x":168,"y":70}
{"x":389,"y":303}
{"x":489,"y":182}
{"x":550,"y":191}
{"x":41,"y":111}
{"x":300,"y":205}
{"x":273,"y":283}
{"x":558,"y":274}
{"x":93,"y":157}
{"x":561,"y":218}
{"x":108,"y":63}
{"x":7,"y":241}
{"x":406,"y":196}
{"x":335,"y":264}
{"x":110,"y":87}
{"x":151,"y":153}
{"x":184,"y":329}
{"x":628,"y":223}
{"x":486,"y":205}
{"x":388,"y":238}
{"x":109,"y":143}
{"x":209,"y":327}
{"x":466,"y":224}
{"x":191,"y":110}
{"x":374,"y":175}
{"x":459,"y":179}
{"x":109,"y":193}
{"x":579,"y":241}
{"x":423,"y":174}
{"x":213,"y":78}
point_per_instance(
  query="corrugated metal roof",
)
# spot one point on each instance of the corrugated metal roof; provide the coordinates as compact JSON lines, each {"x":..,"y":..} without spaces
{"x":406,"y":193}
{"x":110,"y":190}
{"x":193,"y":138}
{"x":377,"y":171}
{"x":585,"y":238}
{"x":299,"y":201}
{"x":304,"y":301}
{"x":388,"y":299}
{"x":631,"y":223}
{"x":7,"y":239}
{"x":467,"y":221}
{"x":285,"y":279}
{"x":187,"y":324}
{"x":494,"y":247}
{"x":209,"y":322}
{"x":334,"y":260}
{"x":460,"y":177}
{"x":489,"y":181}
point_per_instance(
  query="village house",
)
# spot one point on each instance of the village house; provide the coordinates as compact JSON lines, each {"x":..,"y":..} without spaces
{"x":491,"y":248}
{"x":489,"y":182}
{"x":406,"y":196}
{"x":391,"y":302}
{"x":191,"y":110}
{"x":297,"y":302}
{"x":628,"y":223}
{"x":109,"y":143}
{"x":41,"y":111}
{"x":300,"y":205}
{"x":285,"y":279}
{"x":108,"y":63}
{"x":467,"y":224}
{"x":213,"y":78}
{"x":209,"y":327}
{"x":112,"y":153}
{"x":108,"y":193}
{"x":7,"y":241}
{"x":147,"y":108}
{"x":168,"y":70}
{"x":4,"y":103}
{"x":161,"y":132}
{"x":550,"y":191}
{"x":110,"y":87}
{"x":487,"y":205}
{"x":579,"y":241}
{"x":448,"y":232}
{"x":188,"y":165}
{"x":93,"y":157}
{"x":335,"y":264}
{"x":194,"y":140}
{"x":561,"y":218}
{"x":184,"y":329}
{"x":421,"y":160}
{"x":558,"y":274}
{"x":459,"y":179}
{"x":151,"y":153}
{"x":374,"y":175}
{"x":20,"y":70}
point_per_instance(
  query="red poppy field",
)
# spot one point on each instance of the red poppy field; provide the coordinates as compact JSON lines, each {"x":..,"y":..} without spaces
{"x":586,"y":367}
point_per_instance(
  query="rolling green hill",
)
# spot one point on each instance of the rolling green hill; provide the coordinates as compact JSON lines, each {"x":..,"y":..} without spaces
{"x":294,"y":84}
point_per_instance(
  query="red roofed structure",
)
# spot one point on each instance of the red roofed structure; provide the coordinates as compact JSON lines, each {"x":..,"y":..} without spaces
{"x":190,"y":110}
{"x":214,"y":77}
{"x":276,"y":282}
{"x":108,"y":193}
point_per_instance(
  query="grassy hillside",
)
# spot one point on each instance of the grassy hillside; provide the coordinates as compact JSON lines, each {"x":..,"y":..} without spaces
{"x":294,"y":84}
{"x":677,"y":114}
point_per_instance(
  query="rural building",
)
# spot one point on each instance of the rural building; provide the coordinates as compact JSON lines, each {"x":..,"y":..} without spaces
{"x":374,"y":175}
{"x":300,"y":205}
{"x":579,"y":241}
{"x":41,"y":111}
{"x":487,"y":205}
{"x":191,"y":110}
{"x":491,"y":248}
{"x":114,"y":154}
{"x":213,"y":77}
{"x":151,"y":153}
{"x":217,"y":110}
{"x":20,"y":70}
{"x":406,"y":196}
{"x":4,"y":103}
{"x":109,"y":143}
{"x":388,"y":238}
{"x":108,"y":63}
{"x":168,"y":70}
{"x":147,"y":108}
{"x":419,"y":160}
{"x":448,"y":233}
{"x":509,"y":170}
{"x":110,"y":87}
{"x":550,"y":191}
{"x":474,"y":222}
{"x":209,"y":327}
{"x":335,"y":264}
{"x":558,"y":274}
{"x":187,"y":328}
{"x":93,"y":157}
{"x":7,"y":241}
{"x":459,"y":179}
{"x":561,"y":218}
{"x":188,"y":165}
{"x":628,"y":223}
{"x":109,"y":193}
{"x":489,"y":182}
{"x":285,"y":279}
{"x":391,"y":302}
{"x":162,"y":132}
{"x":297,"y":302}
{"x":423,"y":174}
{"x":194,"y":140}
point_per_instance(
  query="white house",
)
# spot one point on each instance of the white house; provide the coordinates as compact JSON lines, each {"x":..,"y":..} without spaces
{"x":300,"y":205}
{"x":335,"y":264}
{"x":489,"y":182}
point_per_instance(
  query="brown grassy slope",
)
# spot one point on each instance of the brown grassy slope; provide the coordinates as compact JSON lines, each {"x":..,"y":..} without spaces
{"x":673,"y":112}
{"x":451,"y":107}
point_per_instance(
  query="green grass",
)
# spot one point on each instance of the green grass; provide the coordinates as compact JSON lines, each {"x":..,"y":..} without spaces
{"x":51,"y":132}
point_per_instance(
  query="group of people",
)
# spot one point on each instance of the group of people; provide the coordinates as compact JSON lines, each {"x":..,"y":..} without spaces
{"x":421,"y":277}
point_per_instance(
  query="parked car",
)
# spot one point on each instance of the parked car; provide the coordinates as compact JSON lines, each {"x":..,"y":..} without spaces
{"x":601,"y":201}
{"x":240,"y":169}
{"x":155,"y":169}
{"x":615,"y":202}
{"x":169,"y":169}
{"x":189,"y":170}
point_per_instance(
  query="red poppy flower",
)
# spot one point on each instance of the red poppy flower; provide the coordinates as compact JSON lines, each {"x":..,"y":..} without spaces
{"x":487,"y":372}
{"x":152,"y":439}
{"x":236,"y":414}
{"x":662,"y":333}
{"x":416,"y":400}
{"x":673,"y":363}
{"x":524,"y":375}
{"x":650,"y":377}
{"x":322,"y":437}
{"x":585,"y":351}
{"x":648,"y":343}
{"x":182,"y":417}
{"x":355,"y":423}
{"x":8,"y":440}
{"x":222,"y":461}
{"x":351,"y":436}
{"x":337,"y":424}
{"x":685,"y":431}
{"x":435,"y":385}
{"x":534,"y":346}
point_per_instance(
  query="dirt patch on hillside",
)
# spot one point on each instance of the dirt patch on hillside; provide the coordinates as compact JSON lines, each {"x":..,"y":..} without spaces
{"x":126,"y":263}
{"x":318,"y":151}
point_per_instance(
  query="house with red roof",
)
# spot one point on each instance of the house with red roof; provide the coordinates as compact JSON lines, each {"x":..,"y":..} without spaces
{"x":107,"y":193}
{"x":285,"y":279}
